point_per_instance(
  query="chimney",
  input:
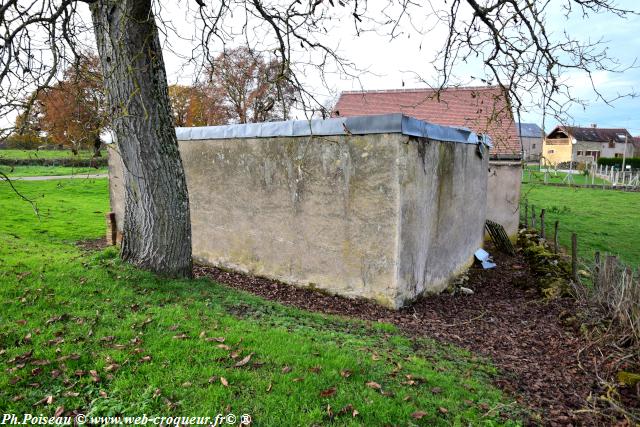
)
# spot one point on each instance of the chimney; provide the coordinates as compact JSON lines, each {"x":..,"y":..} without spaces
{"x":594,"y":125}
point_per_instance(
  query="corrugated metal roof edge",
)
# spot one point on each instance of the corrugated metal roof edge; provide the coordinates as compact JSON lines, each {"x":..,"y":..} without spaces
{"x":358,"y":125}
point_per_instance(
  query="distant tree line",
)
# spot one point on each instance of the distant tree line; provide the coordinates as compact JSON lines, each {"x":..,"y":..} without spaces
{"x":240,"y":86}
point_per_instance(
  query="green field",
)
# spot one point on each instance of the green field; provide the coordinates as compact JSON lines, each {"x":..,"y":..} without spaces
{"x":45,"y":154}
{"x":604,"y":220}
{"x":18,"y":171}
{"x":532,"y":175}
{"x":108,"y":339}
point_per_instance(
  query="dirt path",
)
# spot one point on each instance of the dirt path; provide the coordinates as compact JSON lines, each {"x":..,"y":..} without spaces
{"x":523,"y":335}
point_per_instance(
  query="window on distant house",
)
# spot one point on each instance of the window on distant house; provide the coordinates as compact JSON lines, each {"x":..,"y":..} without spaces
{"x":533,"y":145}
{"x":580,"y":153}
{"x":612,"y":144}
{"x":551,"y":151}
{"x":618,"y":155}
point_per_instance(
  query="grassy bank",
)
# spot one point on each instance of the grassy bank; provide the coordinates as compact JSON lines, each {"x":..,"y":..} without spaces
{"x":605,"y":220}
{"x":45,"y":154}
{"x":18,"y":171}
{"x":84,"y":331}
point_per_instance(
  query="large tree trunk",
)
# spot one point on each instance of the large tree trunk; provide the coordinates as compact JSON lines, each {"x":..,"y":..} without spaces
{"x":97,"y":145}
{"x":156,"y":226}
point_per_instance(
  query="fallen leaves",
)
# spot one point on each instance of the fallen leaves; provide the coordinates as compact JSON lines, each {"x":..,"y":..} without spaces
{"x":112,"y":367}
{"x":180,"y":337}
{"x":286,"y":369}
{"x":418,"y":415}
{"x":224,"y":381}
{"x":22,"y":358}
{"x":328,"y":392}
{"x":244,"y":361}
{"x":47,"y":400}
{"x":345,"y":373}
{"x":55,"y":319}
{"x":215,"y":339}
{"x":374,"y":385}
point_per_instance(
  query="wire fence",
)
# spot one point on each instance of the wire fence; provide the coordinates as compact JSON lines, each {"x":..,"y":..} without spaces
{"x":592,"y":176}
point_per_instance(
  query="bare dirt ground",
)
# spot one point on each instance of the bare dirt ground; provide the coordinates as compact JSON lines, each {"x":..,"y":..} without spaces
{"x":505,"y":320}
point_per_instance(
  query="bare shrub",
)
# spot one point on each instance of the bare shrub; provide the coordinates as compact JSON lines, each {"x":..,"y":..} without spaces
{"x":616,"y":291}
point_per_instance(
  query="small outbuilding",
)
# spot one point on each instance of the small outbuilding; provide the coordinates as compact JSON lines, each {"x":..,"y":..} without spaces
{"x":532,"y":138}
{"x":383,"y":207}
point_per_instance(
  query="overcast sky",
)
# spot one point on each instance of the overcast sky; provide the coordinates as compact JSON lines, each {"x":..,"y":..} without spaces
{"x":392,"y":63}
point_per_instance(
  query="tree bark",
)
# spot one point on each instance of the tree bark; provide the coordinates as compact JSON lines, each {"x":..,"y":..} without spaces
{"x":97,"y":145}
{"x":156,"y":223}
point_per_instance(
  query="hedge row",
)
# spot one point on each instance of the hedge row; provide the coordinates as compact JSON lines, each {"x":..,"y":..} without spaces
{"x":76,"y":163}
{"x":634,"y":162}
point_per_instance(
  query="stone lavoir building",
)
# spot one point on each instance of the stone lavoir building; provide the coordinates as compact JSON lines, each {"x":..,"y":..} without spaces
{"x":383,"y":207}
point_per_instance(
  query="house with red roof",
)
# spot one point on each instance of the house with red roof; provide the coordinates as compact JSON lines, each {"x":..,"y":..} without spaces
{"x":483,"y":109}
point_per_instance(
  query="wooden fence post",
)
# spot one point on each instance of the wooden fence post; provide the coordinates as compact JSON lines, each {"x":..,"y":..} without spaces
{"x":112,"y":229}
{"x":533,"y":216}
{"x":555,"y":236}
{"x":542,"y":230}
{"x":574,"y":256}
{"x":526,"y":213}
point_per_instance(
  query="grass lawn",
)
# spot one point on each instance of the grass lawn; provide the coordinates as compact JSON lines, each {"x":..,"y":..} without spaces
{"x":604,"y":220}
{"x":17,"y":171}
{"x":532,"y":175}
{"x":108,"y":339}
{"x":45,"y":154}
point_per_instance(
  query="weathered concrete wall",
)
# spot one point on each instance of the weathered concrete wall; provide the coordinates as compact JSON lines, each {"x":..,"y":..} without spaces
{"x":385,"y":216}
{"x":443,"y":188}
{"x":116,"y":187}
{"x":503,"y":194}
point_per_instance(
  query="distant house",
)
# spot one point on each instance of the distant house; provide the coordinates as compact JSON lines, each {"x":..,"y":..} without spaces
{"x":485,"y":110}
{"x":532,"y":137}
{"x":636,"y":146}
{"x":586,"y":144}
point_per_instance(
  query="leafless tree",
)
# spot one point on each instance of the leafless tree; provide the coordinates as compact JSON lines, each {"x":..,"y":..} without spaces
{"x":508,"y":39}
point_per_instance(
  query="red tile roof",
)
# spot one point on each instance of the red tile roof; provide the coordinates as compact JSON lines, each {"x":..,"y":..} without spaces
{"x":481,"y":109}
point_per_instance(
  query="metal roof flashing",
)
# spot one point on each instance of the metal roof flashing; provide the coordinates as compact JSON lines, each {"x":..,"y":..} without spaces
{"x":360,"y":125}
